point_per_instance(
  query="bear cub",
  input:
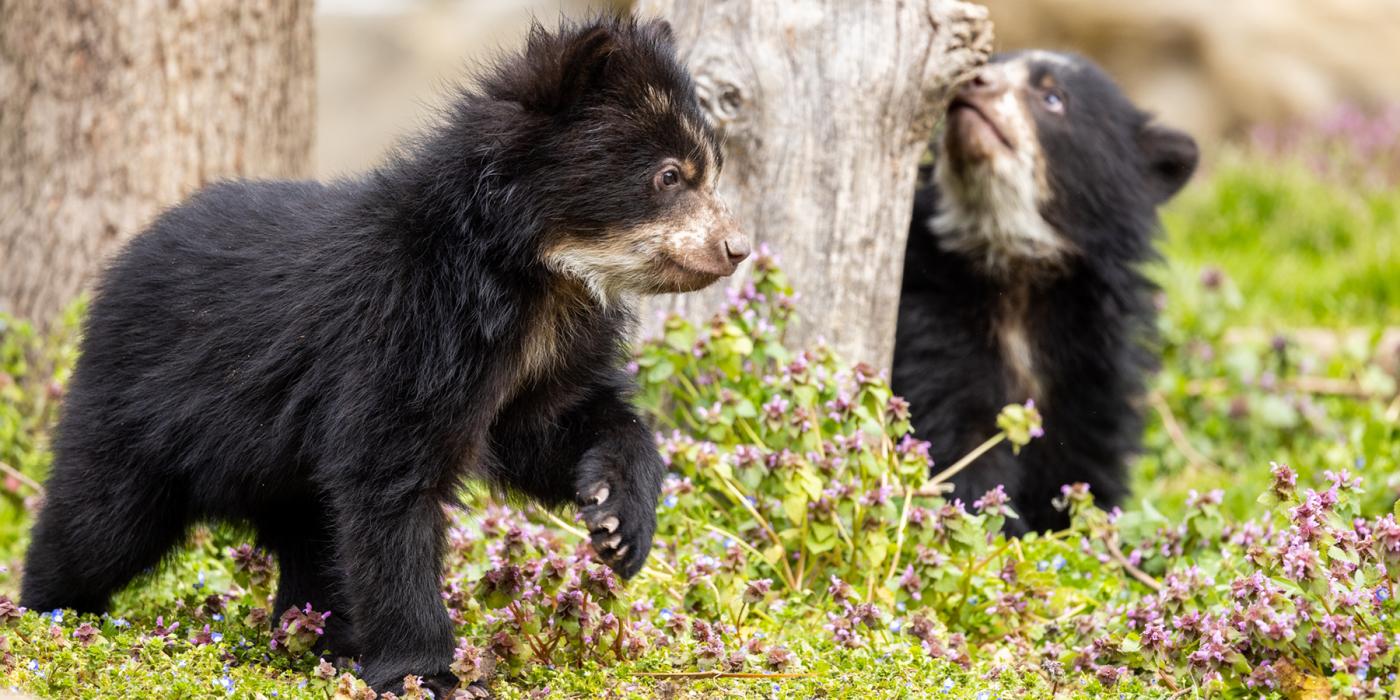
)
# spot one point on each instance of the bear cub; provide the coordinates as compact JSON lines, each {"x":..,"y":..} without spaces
{"x":1021,"y":278}
{"x":329,"y":362}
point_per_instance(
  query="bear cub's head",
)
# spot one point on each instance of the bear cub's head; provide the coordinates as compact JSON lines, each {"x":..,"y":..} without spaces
{"x":1044,"y":160}
{"x":623,"y":162}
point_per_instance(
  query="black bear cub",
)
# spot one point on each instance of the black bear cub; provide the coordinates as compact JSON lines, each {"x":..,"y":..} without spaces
{"x":329,"y":362}
{"x":1021,"y":278}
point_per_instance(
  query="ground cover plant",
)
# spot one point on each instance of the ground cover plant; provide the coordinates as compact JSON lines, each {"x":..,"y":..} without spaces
{"x":804,"y":551}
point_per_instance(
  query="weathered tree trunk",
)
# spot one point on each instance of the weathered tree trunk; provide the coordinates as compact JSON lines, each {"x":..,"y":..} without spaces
{"x":826,"y":106}
{"x":110,"y":111}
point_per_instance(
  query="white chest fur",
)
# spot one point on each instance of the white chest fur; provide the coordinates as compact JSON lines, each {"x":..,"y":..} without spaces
{"x":1012,"y":337}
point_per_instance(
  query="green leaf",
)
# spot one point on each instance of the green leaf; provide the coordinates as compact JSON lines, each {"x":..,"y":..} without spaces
{"x":795,"y":506}
{"x":661,"y":371}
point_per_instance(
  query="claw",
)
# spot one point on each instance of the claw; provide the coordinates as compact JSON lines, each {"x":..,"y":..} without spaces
{"x":612,"y":542}
{"x":622,"y":551}
{"x":609,"y":523}
{"x":601,"y":494}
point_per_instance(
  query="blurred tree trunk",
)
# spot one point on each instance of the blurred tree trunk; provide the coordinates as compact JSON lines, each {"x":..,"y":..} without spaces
{"x":825,"y":107}
{"x":111,"y":111}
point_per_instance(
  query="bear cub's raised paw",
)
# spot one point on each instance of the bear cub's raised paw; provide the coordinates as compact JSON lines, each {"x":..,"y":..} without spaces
{"x":620,"y":514}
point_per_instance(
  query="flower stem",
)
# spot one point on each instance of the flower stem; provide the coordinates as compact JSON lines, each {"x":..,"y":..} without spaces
{"x":967,"y":459}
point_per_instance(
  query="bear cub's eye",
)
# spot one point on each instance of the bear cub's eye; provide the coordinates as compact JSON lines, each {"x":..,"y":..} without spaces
{"x":1053,"y":101}
{"x":667,"y":178}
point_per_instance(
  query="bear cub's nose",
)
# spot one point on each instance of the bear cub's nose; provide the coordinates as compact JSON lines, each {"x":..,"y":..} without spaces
{"x":986,"y":81}
{"x":737,"y":249}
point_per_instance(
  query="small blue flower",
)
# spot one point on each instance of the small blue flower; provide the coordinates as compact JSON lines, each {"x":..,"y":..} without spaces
{"x":1058,"y":562}
{"x":947,"y":684}
{"x":218,"y":617}
{"x":120,"y":622}
{"x":216,"y":637}
{"x":55,"y":615}
{"x":1360,"y":462}
{"x":671,"y":501}
{"x":34,"y":664}
{"x":1042,"y":565}
{"x":226,"y":683}
{"x":1382,"y":594}
{"x":896,"y":625}
{"x":200,"y":583}
{"x":983,"y":695}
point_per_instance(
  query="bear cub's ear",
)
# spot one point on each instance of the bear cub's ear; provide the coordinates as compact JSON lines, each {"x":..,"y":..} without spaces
{"x":662,"y":29}
{"x":567,"y":68}
{"x":1171,"y":159}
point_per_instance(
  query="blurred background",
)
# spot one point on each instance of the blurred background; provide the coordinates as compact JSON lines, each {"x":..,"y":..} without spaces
{"x":1217,"y":68}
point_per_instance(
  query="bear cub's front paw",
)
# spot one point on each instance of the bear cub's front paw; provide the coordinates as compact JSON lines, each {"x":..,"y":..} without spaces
{"x":617,"y":499}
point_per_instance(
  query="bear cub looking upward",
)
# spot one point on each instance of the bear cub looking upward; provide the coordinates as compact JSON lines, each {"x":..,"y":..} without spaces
{"x":1021,"y":278}
{"x":329,"y":362}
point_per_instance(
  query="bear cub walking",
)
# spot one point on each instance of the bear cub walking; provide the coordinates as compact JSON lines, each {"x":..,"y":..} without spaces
{"x":329,"y":362}
{"x":1021,"y":278}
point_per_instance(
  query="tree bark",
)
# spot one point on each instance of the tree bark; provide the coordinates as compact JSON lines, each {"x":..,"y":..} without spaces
{"x":825,"y":107}
{"x":110,"y":111}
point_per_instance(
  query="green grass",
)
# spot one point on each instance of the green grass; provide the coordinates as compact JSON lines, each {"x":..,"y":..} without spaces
{"x":1302,"y":250}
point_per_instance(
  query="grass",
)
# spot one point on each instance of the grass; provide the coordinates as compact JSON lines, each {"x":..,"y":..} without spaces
{"x":1303,"y":250}
{"x":773,"y":600}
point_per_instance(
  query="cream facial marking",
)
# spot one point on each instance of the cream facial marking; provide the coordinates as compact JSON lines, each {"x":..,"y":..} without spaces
{"x":706,"y":151}
{"x":991,"y":207}
{"x":666,"y":255}
{"x":609,"y":268}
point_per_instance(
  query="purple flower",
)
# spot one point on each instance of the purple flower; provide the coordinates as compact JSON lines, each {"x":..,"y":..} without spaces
{"x":840,"y":591}
{"x":86,"y":634}
{"x":1300,"y":561}
{"x":775,"y":409}
{"x":298,"y":630}
{"x":1285,"y":480}
{"x":757,"y":590}
{"x":992,"y":502}
{"x":9,"y":612}
{"x":912,"y":583}
{"x":205,"y":636}
{"x":779,"y":658}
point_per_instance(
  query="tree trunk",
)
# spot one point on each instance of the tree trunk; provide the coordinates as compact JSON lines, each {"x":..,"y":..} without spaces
{"x":110,"y":111}
{"x":825,"y":107}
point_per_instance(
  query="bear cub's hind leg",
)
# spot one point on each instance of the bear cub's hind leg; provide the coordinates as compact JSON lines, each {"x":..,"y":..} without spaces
{"x":308,"y":575}
{"x":93,"y":537}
